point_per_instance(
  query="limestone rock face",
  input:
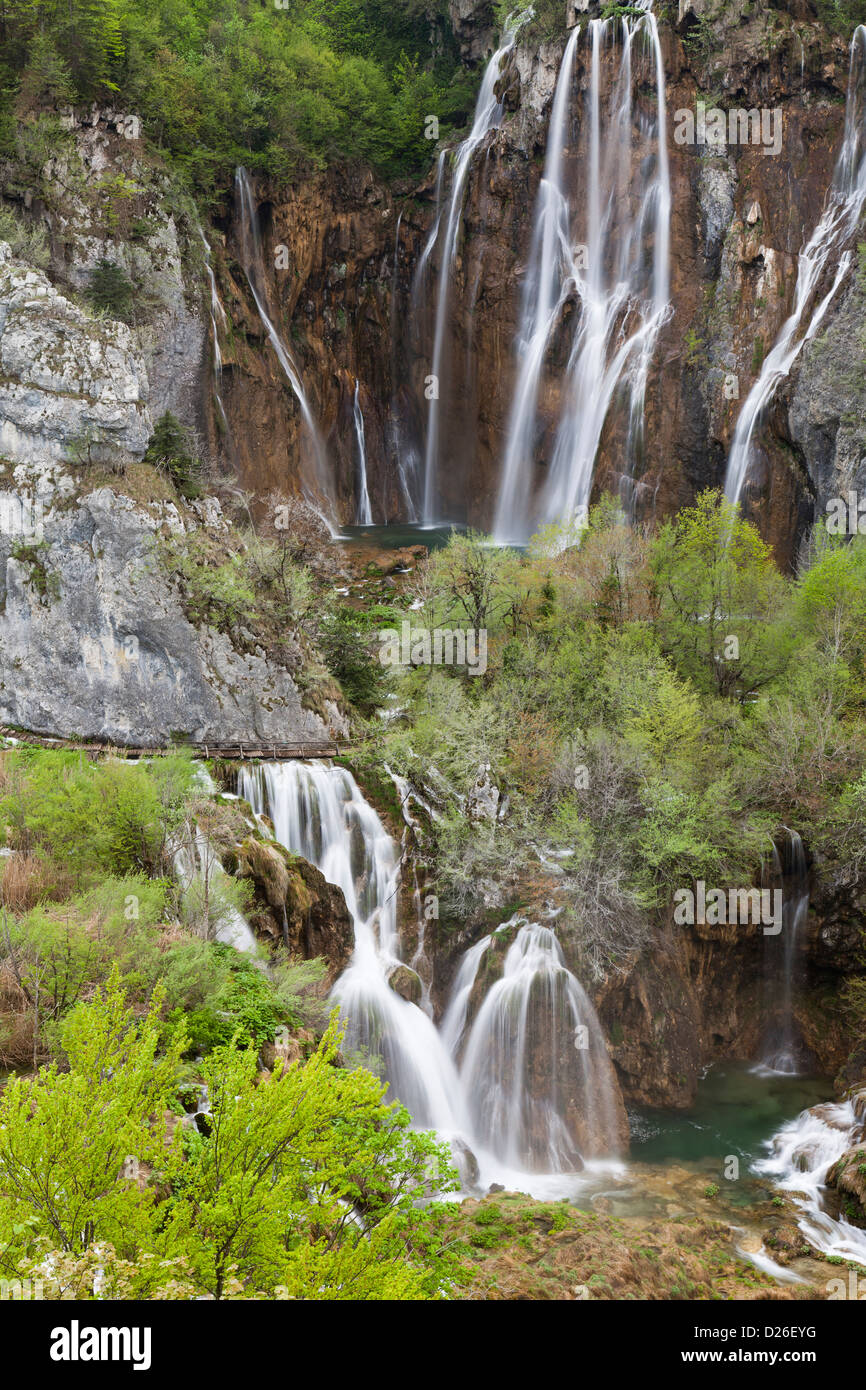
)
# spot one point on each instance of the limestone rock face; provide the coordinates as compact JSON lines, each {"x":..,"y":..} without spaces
{"x":474,"y":27}
{"x":828,"y":403}
{"x":483,"y":800}
{"x":108,"y":201}
{"x":71,"y":385}
{"x":537,"y":69}
{"x":94,"y":639}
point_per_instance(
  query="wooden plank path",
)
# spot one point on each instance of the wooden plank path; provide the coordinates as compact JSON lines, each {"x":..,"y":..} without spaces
{"x":277,"y":752}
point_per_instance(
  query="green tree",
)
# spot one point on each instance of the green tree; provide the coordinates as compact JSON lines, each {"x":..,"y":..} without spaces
{"x":70,"y":1140}
{"x":308,"y":1181}
{"x":830,"y":605}
{"x":170,"y":448}
{"x":719,"y":599}
{"x":110,"y":290}
{"x":308,"y":1184}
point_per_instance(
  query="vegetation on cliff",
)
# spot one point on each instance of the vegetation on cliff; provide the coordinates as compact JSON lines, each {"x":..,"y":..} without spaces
{"x":275,"y":86}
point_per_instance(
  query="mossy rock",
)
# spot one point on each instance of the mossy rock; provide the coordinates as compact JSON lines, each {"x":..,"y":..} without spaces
{"x":847,"y":1180}
{"x":266,"y":865}
{"x":404,"y":981}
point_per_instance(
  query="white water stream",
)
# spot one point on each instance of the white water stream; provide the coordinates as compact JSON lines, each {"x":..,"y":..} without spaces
{"x":488,"y":115}
{"x":200,"y":872}
{"x":619,"y":292}
{"x":364,"y":512}
{"x":318,"y":484}
{"x":217,"y":319}
{"x":838,"y":223}
{"x":800,"y":1156}
{"x":790,"y":876}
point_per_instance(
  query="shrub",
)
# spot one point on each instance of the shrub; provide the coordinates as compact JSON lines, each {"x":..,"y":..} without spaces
{"x":170,"y":448}
{"x":110,"y":291}
{"x":27,"y":241}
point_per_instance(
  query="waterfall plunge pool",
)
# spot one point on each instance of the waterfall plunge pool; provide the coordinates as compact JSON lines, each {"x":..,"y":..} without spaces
{"x":398,"y":535}
{"x":736,"y":1112}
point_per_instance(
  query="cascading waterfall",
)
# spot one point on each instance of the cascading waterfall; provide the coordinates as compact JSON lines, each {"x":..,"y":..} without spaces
{"x":543,"y":289}
{"x":800,"y":1157}
{"x":621,"y":291}
{"x":319,"y":812}
{"x":253,"y":266}
{"x":791,"y":874}
{"x":488,"y":115}
{"x":534,"y":1093}
{"x":535,"y":1068}
{"x":364,"y":513}
{"x":454,"y":1020}
{"x":836,"y":227}
{"x":197,"y":867}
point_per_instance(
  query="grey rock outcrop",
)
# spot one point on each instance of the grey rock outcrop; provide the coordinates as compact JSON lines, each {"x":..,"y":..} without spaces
{"x":94,"y":640}
{"x":159,"y":249}
{"x":828,"y":406}
{"x":474,"y":26}
{"x":69,"y":383}
{"x":483,"y":799}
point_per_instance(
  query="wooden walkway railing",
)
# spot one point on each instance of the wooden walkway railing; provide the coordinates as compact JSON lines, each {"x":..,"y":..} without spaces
{"x":256,"y":748}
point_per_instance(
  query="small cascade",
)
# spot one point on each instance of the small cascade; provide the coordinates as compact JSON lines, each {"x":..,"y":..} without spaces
{"x":825,"y":247}
{"x":535,"y":1092}
{"x":535,"y":1069}
{"x":790,"y":874}
{"x":801,"y":1155}
{"x":454,"y":1020}
{"x":198,"y":869}
{"x":618,"y":290}
{"x":446,"y":228}
{"x":363,"y":511}
{"x":217,"y":319}
{"x":402,"y":448}
{"x":253,"y":265}
{"x":802,"y":57}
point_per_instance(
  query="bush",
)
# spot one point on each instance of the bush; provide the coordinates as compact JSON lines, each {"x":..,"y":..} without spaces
{"x":110,"y":291}
{"x":28,"y":241}
{"x":169,"y":448}
{"x":92,"y":819}
{"x":257,"y":1206}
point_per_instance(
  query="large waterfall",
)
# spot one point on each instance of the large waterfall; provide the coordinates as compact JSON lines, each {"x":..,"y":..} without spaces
{"x":445,"y":233}
{"x":615,"y":280}
{"x":518,"y":1072}
{"x":834,"y":231}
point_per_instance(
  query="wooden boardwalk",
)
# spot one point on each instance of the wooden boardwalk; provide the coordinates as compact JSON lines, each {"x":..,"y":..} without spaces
{"x":256,"y":748}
